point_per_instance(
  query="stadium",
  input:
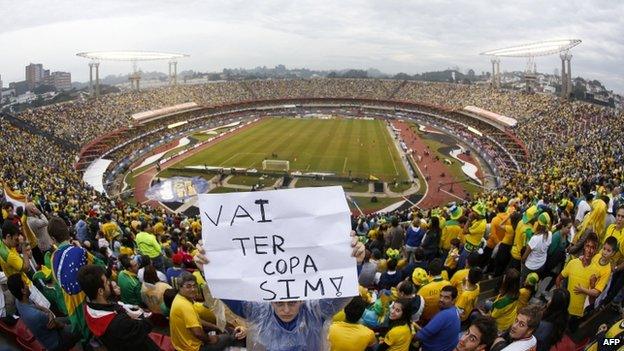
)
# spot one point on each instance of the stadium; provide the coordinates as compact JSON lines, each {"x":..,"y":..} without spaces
{"x":377,"y":154}
{"x":409,"y":155}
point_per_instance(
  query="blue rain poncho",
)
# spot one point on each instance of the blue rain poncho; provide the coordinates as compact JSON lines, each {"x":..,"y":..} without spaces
{"x":307,"y":332}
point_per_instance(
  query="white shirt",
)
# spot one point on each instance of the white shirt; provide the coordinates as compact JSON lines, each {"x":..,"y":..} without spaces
{"x":529,"y":344}
{"x":539,"y":251}
{"x":161,"y":276}
{"x":583,"y":209}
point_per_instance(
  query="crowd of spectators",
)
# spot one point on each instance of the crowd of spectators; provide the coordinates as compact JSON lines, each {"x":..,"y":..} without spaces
{"x":552,"y":237}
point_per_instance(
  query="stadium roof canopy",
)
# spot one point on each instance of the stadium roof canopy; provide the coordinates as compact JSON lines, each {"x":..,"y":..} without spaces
{"x":130,"y":55}
{"x":540,"y":48}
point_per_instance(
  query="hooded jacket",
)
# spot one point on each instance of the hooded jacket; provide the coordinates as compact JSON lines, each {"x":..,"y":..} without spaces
{"x":116,"y":329}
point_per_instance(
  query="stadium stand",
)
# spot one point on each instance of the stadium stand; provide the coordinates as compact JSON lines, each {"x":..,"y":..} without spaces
{"x":561,"y":171}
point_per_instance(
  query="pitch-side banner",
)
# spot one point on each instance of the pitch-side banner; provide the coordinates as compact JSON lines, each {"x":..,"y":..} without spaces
{"x":177,"y":189}
{"x":278,"y":245}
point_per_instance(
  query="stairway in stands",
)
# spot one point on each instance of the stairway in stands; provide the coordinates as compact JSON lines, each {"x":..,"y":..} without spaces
{"x":32,"y":129}
{"x":489,"y":289}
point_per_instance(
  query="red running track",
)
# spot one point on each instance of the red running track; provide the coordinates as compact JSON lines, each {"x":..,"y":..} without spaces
{"x":432,"y":170}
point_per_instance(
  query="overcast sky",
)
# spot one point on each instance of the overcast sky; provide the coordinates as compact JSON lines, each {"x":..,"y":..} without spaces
{"x":393,"y":36}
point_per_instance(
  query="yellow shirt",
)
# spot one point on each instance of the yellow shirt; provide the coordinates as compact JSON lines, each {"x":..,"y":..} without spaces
{"x":196,"y":228}
{"x":504,"y":312}
{"x":519,"y":240}
{"x":466,"y":301}
{"x":204,"y":313}
{"x":496,"y":235}
{"x":614,"y":331}
{"x":159,"y":229}
{"x":523,"y":297}
{"x":451,"y":258}
{"x":182,"y":317}
{"x":398,"y":338}
{"x":578,"y":274}
{"x":603,"y":272}
{"x":451,"y":230}
{"x":32,"y":239}
{"x":508,"y":239}
{"x":344,"y":336}
{"x":431,"y":294}
{"x":476,"y":232}
{"x":110,"y":229}
{"x":458,"y":279}
{"x":619,"y":235}
{"x":11,"y":262}
{"x":124,"y":250}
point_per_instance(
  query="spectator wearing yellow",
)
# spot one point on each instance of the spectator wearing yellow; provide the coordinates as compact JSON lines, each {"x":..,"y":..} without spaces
{"x":505,"y":305}
{"x":501,"y":235}
{"x":349,"y":335}
{"x":617,"y":230}
{"x":399,"y":337}
{"x":467,"y":299}
{"x":431,"y":291}
{"x":581,"y":275}
{"x":594,"y":222}
{"x":187,"y":329}
{"x":159,"y":229}
{"x":148,"y":245}
{"x":604,"y":331}
{"x":603,"y":264}
{"x":523,"y":233}
{"x":450,"y":264}
{"x":528,"y":289}
{"x":475,"y":227}
{"x":452,"y":228}
{"x":420,"y":277}
{"x":110,"y":229}
{"x":460,"y":275}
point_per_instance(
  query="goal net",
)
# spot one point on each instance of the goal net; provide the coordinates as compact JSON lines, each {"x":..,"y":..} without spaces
{"x":276,"y":165}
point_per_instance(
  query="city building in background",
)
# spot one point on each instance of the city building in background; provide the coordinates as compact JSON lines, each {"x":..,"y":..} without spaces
{"x":34,"y":75}
{"x":59,"y":80}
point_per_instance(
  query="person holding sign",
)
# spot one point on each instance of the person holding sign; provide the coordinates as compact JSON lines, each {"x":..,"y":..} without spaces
{"x":287,"y":325}
{"x":282,"y":260}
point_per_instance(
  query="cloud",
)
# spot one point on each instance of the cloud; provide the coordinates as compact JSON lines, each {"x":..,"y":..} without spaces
{"x":393,"y":36}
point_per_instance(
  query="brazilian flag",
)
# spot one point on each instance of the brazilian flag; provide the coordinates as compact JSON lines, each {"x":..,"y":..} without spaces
{"x":66,"y":262}
{"x":49,"y":287}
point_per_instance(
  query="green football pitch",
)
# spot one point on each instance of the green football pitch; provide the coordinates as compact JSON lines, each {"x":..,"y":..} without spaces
{"x":339,"y":146}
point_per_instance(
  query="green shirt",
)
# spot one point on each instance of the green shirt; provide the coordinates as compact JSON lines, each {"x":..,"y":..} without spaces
{"x":558,"y":243}
{"x":130,"y":287}
{"x":148,"y":245}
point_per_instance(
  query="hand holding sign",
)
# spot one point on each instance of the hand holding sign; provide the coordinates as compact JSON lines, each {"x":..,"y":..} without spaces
{"x":279,"y":245}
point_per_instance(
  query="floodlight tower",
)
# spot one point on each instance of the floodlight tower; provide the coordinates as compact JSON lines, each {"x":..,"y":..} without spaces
{"x":541,"y":48}
{"x":132,"y":56}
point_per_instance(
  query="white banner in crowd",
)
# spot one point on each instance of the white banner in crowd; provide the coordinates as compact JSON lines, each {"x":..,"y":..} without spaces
{"x":278,"y":245}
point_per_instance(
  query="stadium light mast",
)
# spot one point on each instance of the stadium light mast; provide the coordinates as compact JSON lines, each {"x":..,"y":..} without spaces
{"x":131,"y":56}
{"x":530,"y":52}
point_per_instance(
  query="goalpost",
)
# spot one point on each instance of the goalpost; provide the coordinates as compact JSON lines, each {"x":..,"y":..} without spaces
{"x":276,"y":165}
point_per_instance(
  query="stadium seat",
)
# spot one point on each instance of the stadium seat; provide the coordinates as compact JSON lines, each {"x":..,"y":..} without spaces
{"x":23,"y":333}
{"x":159,"y":320}
{"x":166,"y":344}
{"x":33,"y":345}
{"x":8,"y":330}
{"x":156,"y":337}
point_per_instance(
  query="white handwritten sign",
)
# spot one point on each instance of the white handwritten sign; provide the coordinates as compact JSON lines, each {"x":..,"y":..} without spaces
{"x":278,"y":245}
